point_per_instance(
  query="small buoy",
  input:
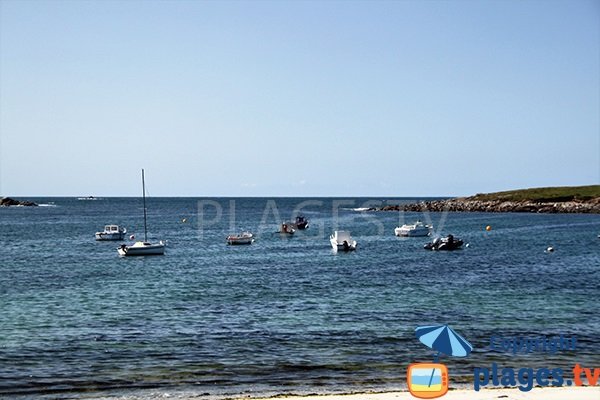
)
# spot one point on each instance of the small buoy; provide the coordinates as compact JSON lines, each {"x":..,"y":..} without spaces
{"x":184,"y":220}
{"x":488,"y":228}
{"x":467,"y":245}
{"x":550,"y":249}
{"x":132,"y":237}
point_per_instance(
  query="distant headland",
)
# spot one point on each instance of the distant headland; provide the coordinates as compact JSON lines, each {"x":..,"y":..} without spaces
{"x":567,"y":199}
{"x":8,"y":202}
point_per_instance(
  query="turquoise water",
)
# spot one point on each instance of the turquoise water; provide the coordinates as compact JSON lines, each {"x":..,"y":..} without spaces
{"x":286,"y":314}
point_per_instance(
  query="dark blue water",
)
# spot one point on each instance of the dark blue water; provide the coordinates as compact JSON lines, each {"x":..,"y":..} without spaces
{"x":286,"y":314}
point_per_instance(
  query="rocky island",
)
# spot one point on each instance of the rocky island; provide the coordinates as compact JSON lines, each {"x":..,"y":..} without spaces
{"x":8,"y":202}
{"x":572,"y":199}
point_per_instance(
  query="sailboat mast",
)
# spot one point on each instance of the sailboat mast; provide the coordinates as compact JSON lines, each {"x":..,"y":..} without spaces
{"x":144,"y":196}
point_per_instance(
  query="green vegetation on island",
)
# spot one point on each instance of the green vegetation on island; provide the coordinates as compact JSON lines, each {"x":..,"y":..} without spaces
{"x":543,"y":195}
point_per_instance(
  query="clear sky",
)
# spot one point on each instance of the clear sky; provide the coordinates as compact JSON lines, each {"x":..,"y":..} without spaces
{"x":297,"y":98}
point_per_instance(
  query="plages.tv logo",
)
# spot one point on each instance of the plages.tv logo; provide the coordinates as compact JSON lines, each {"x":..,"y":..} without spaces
{"x":430,"y":380}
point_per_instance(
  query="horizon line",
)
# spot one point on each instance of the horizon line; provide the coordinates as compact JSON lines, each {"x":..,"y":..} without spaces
{"x":231,"y":197}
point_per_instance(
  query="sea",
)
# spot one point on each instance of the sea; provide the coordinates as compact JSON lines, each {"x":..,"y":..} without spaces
{"x":287,"y":314}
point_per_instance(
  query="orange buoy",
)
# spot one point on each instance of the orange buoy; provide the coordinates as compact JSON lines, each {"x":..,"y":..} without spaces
{"x":488,"y":228}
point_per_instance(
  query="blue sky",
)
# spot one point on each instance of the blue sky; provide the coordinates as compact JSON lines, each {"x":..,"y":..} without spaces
{"x":300,"y":98}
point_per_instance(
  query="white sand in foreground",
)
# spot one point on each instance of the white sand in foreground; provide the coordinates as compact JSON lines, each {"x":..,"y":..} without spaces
{"x":560,"y":393}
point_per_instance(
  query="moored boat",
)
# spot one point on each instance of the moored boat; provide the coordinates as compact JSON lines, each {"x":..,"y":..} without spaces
{"x":242,"y":238}
{"x":111,"y":232}
{"x":287,"y":228}
{"x":416,"y":229}
{"x":301,"y":222}
{"x":448,"y":243}
{"x":342,"y":241}
{"x":144,"y":248}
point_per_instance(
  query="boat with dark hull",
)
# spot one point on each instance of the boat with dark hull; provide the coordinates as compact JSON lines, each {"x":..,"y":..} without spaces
{"x":301,"y":222}
{"x":448,"y":243}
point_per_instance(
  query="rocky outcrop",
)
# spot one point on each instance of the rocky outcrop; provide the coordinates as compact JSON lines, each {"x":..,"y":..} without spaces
{"x":7,"y":202}
{"x":469,"y":205}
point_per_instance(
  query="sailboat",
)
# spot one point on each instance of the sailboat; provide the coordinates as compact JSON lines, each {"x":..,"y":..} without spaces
{"x":144,"y":248}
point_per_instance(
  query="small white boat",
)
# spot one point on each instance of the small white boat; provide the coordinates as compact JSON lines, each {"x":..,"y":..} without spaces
{"x":242,"y":238}
{"x":142,"y":249}
{"x":88,"y":198}
{"x":111,"y":232}
{"x":342,"y":241}
{"x":287,"y":228}
{"x":416,"y":229}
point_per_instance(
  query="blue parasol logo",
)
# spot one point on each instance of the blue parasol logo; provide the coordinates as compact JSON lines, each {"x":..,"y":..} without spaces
{"x":444,"y":340}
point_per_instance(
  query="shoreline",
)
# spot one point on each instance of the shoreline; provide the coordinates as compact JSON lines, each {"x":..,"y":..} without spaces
{"x":513,"y":393}
{"x":497,"y":206}
{"x":538,"y":393}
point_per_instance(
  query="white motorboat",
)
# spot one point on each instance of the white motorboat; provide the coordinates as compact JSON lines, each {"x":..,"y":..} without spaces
{"x":144,"y":248}
{"x":242,"y":238}
{"x":416,"y":229}
{"x":342,"y":241}
{"x":111,"y":232}
{"x":88,"y":198}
